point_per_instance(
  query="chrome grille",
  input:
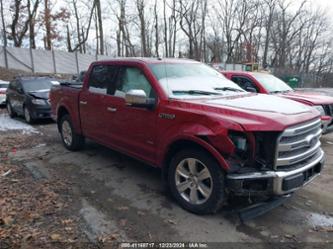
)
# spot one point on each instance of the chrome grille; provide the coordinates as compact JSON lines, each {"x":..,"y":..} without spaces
{"x":298,"y":144}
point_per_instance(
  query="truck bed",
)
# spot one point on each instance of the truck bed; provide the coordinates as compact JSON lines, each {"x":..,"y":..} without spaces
{"x":67,"y":94}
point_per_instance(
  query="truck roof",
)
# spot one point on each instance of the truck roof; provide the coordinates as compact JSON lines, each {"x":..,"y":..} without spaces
{"x":148,"y":60}
{"x":245,"y":72}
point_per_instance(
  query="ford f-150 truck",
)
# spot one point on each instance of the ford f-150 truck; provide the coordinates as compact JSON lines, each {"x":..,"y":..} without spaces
{"x":211,"y":138}
{"x":266,"y":83}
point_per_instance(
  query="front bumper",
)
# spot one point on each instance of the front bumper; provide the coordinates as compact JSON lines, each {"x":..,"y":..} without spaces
{"x":275,"y":182}
{"x":41,"y":112}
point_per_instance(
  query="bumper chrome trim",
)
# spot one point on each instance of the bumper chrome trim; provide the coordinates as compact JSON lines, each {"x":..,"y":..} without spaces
{"x":278,"y":176}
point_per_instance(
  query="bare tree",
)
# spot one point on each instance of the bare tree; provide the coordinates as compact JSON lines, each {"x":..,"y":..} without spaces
{"x":157,"y":41}
{"x":192,"y":20}
{"x":141,"y":6}
{"x":21,"y":21}
{"x":124,"y":43}
{"x":32,"y":21}
{"x":268,"y":8}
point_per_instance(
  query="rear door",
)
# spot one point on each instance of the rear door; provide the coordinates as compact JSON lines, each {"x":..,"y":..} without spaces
{"x":93,"y":103}
{"x":15,"y":96}
{"x":20,"y":97}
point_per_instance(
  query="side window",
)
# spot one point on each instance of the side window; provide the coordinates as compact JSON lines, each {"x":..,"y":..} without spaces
{"x":244,"y":83}
{"x":19,"y":87}
{"x":131,"y":78}
{"x":12,"y":85}
{"x":102,"y":78}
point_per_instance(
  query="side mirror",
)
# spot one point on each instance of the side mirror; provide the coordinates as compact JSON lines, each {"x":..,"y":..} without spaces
{"x":138,"y":98}
{"x":251,"y":89}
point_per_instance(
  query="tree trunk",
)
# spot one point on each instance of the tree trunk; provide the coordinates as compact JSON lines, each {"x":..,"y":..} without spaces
{"x":3,"y":24}
{"x":100,"y":26}
{"x":156,"y":30}
{"x":47,"y":17}
{"x":69,"y":44}
{"x":78,"y":30}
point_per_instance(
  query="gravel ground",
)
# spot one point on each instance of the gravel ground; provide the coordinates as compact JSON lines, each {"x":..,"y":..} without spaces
{"x":110,"y":198}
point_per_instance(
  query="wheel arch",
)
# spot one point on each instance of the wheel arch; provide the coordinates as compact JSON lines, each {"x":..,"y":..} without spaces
{"x":194,"y":143}
{"x":62,"y":111}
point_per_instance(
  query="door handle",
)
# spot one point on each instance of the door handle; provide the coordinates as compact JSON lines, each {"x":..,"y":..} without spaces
{"x":111,"y":109}
{"x":83,"y":102}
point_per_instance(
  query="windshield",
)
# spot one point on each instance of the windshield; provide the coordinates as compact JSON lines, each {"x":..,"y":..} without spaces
{"x":38,"y":85}
{"x":3,"y":85}
{"x":271,"y":83}
{"x":181,"y":80}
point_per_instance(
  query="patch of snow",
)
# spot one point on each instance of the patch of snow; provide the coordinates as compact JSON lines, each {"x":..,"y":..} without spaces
{"x":40,"y":145}
{"x":8,"y":124}
{"x":97,"y":223}
{"x":319,"y":220}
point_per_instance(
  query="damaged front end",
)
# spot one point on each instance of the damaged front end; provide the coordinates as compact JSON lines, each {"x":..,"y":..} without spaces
{"x":274,"y":163}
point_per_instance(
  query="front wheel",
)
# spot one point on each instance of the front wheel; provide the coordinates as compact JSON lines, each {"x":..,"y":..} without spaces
{"x":196,"y":181}
{"x":27,"y":115}
{"x":70,"y":139}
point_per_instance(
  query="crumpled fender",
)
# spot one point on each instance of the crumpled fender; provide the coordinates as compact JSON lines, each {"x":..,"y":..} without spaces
{"x":198,"y":134}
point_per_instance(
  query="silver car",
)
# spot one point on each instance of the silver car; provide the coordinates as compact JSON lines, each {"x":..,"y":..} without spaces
{"x":3,"y":89}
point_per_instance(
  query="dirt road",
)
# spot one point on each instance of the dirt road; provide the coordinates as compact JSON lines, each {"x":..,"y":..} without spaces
{"x":113,"y":195}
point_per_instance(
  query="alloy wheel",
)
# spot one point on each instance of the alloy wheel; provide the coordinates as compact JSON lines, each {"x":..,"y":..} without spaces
{"x":27,"y":115}
{"x":194,"y":182}
{"x":67,"y":134}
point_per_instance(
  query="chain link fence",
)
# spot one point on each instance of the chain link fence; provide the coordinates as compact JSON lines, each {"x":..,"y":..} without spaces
{"x":46,"y":61}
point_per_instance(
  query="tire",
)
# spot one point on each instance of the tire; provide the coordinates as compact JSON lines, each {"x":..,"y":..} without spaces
{"x":208,"y":190}
{"x":10,"y":110}
{"x":70,"y":139}
{"x":27,"y":115}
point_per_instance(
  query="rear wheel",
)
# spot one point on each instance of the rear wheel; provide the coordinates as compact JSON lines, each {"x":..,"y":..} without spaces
{"x":196,"y":181}
{"x":10,"y":110}
{"x":70,"y":139}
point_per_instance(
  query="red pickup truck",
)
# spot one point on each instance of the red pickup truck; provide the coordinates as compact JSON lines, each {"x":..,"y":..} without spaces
{"x":266,"y":83}
{"x":210,"y":138}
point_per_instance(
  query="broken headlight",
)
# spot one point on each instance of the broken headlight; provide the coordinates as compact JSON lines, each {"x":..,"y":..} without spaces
{"x":241,"y":144}
{"x":320,"y":109}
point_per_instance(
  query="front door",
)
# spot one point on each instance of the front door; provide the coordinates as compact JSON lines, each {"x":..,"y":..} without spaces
{"x":132,"y":129}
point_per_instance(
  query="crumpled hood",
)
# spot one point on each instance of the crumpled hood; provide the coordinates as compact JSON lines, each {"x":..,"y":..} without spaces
{"x":262,"y":103}
{"x":308,"y":97}
{"x":255,"y":112}
{"x":40,"y":94}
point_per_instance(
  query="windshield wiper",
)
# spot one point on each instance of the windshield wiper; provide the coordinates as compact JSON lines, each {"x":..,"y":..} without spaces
{"x":285,"y":91}
{"x":195,"y":92}
{"x":228,"y":89}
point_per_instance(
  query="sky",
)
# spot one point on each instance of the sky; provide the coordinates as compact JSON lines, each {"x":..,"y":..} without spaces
{"x":325,"y":4}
